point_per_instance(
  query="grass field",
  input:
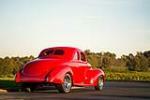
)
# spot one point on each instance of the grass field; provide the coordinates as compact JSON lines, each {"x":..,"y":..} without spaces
{"x":128,"y":76}
{"x":7,"y":83}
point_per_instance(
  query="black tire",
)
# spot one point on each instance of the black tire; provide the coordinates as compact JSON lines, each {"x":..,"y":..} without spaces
{"x":65,"y":87}
{"x":100,"y":83}
{"x":27,"y":88}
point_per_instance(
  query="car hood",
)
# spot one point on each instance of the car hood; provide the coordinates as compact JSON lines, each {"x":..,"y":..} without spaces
{"x":40,"y":67}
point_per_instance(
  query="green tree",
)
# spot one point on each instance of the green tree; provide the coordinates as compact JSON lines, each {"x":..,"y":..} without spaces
{"x":147,"y":55}
{"x":108,"y":60}
{"x":138,"y":62}
{"x":141,"y":62}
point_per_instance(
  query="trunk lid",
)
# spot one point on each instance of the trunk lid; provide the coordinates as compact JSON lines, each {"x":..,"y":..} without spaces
{"x":41,"y":67}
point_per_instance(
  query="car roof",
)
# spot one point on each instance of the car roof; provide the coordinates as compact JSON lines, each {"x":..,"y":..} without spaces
{"x":64,"y":47}
{"x":70,"y":50}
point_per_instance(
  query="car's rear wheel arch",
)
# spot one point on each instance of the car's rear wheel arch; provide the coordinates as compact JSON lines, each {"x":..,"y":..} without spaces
{"x":102,"y":77}
{"x":71,"y":76}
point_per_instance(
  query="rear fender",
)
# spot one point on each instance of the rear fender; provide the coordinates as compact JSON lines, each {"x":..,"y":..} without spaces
{"x":18,"y":77}
{"x":57,"y":75}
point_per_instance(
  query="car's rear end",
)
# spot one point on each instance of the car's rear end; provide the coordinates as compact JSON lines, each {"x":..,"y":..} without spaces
{"x":44,"y":70}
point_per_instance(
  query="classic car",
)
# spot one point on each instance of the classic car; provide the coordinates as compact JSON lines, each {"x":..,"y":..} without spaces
{"x":62,"y":67}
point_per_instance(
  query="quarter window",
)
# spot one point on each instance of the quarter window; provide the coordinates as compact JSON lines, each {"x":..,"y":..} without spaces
{"x":83,"y":57}
{"x":76,"y":56}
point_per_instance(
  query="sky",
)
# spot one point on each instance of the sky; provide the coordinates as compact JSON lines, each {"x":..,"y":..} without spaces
{"x":117,"y":26}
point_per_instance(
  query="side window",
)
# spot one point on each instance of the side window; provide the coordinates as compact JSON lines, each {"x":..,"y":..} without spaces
{"x":83,"y":57}
{"x":76,"y":56}
{"x":48,"y":52}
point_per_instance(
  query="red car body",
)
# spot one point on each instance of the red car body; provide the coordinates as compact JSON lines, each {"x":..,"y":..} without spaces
{"x":54,"y":63}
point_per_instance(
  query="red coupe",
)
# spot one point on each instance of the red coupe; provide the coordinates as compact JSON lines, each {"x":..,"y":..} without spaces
{"x":62,"y":67}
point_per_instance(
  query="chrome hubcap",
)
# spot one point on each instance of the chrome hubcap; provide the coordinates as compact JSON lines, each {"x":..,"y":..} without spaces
{"x":101,"y":83}
{"x":67,"y":83}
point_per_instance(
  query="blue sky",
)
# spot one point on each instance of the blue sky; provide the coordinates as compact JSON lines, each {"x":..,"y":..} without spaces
{"x":118,"y":26}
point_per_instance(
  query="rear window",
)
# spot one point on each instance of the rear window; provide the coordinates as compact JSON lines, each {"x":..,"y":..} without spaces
{"x":52,"y":52}
{"x":59,"y":52}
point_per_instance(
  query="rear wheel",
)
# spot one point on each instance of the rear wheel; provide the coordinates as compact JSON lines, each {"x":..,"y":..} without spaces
{"x":100,"y":83}
{"x":65,"y":87}
{"x":27,"y":87}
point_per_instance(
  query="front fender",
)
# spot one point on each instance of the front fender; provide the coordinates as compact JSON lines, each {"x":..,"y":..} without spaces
{"x":57,"y":75}
{"x":92,"y":76}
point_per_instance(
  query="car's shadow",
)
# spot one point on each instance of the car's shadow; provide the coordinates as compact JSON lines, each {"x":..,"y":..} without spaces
{"x":53,"y":90}
{"x":11,"y":86}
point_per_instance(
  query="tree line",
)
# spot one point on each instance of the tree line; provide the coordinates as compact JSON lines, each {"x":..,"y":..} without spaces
{"x":108,"y":61}
{"x":105,"y":60}
{"x":10,"y":65}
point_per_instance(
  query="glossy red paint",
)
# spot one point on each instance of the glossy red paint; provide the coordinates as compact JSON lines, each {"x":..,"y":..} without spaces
{"x":53,"y":63}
